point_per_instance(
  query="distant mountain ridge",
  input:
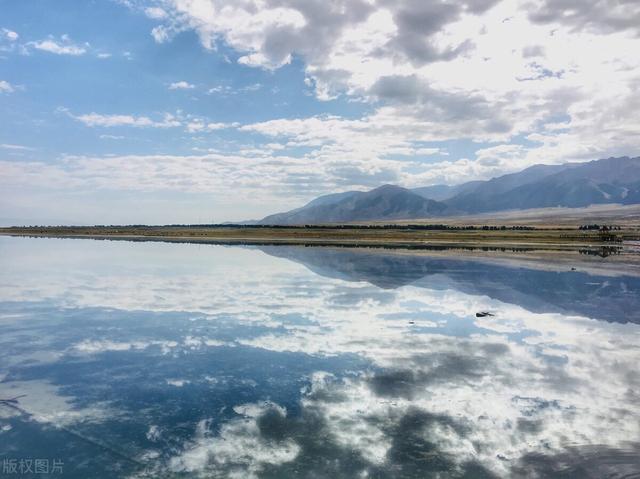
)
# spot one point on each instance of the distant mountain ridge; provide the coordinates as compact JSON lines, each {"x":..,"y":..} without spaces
{"x":387,"y":202}
{"x":611,"y":180}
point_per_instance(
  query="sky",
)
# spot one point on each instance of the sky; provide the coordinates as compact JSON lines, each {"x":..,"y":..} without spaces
{"x":194,"y":111}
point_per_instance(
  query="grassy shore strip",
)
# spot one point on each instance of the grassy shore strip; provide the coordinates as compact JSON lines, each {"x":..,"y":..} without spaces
{"x":554,"y":238}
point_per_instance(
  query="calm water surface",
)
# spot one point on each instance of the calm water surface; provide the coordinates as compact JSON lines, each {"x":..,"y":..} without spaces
{"x":177,"y":360}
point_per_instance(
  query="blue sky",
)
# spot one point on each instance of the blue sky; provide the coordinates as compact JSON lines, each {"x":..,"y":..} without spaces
{"x":161,"y":111}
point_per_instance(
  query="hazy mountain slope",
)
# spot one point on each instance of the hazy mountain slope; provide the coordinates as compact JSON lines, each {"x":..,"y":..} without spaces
{"x":613,"y":180}
{"x":296,"y":215}
{"x":332,"y":198}
{"x":444,"y":192}
{"x":384,"y":203}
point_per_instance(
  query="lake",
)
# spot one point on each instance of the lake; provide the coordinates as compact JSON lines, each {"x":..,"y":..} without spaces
{"x":147,"y":359}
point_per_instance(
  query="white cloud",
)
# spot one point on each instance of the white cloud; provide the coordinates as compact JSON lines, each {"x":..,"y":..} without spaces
{"x":9,"y":34}
{"x":181,"y":85}
{"x":229,"y":90}
{"x":108,"y":121}
{"x":48,"y":404}
{"x":160,"y":34}
{"x":238,"y":445}
{"x":227,"y":175}
{"x":6,"y":87}
{"x":191,"y":123}
{"x":112,"y":137}
{"x":104,"y":55}
{"x":200,"y":125}
{"x":155,"y":13}
{"x":96,"y":346}
{"x":220,"y":89}
{"x":224,"y":175}
{"x":489,"y":70}
{"x":9,"y":146}
{"x":596,"y":15}
{"x":177,"y":382}
{"x":253,"y":87}
{"x":64,"y":46}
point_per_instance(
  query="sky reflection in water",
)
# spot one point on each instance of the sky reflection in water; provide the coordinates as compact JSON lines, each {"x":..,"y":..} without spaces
{"x":152,"y":360}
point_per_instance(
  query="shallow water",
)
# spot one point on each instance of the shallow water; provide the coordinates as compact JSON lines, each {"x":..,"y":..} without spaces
{"x":178,"y":360}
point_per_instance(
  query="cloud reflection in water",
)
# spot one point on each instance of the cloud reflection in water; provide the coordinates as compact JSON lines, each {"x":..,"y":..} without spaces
{"x":229,"y":362}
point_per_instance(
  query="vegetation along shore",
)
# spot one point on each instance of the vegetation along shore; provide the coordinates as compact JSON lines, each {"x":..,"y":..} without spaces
{"x":493,"y":235}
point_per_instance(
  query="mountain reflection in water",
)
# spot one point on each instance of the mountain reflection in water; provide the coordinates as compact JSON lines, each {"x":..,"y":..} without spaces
{"x":153,"y":360}
{"x":611,"y":298}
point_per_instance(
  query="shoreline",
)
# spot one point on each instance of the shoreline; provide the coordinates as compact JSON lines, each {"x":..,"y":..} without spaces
{"x":391,"y":241}
{"x":371,"y":235}
{"x":540,"y":249}
{"x":410,"y":236}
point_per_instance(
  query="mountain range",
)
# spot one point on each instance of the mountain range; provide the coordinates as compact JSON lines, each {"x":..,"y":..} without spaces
{"x":574,"y":185}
